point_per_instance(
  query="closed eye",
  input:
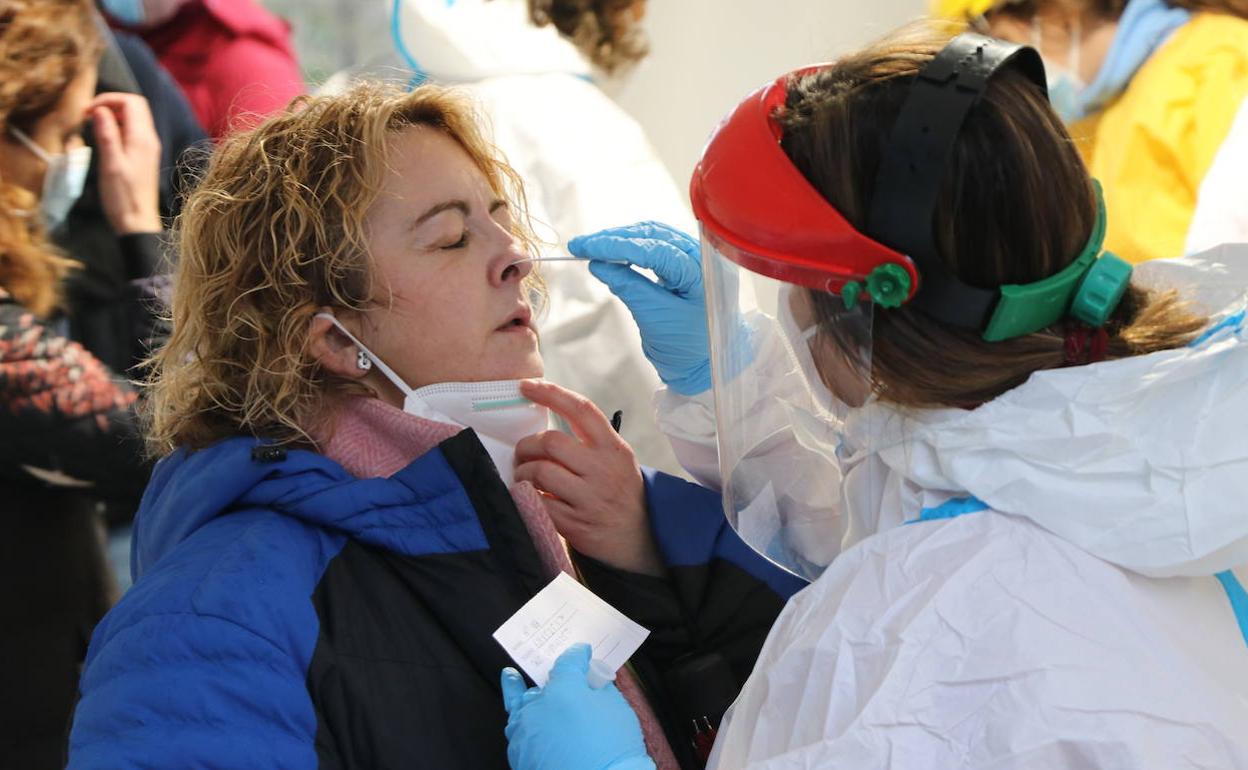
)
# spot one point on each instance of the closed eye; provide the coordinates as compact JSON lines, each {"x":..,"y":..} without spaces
{"x":461,"y":243}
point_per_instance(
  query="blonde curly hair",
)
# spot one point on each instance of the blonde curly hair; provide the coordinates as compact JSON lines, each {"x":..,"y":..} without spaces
{"x":44,"y":45}
{"x":274,"y":230}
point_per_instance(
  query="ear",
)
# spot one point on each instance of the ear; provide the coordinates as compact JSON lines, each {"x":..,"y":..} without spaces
{"x":332,"y":349}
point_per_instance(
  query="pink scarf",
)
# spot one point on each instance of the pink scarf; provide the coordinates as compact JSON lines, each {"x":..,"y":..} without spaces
{"x":372,"y":439}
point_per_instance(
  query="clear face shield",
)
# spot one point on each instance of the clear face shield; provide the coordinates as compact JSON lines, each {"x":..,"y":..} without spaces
{"x":788,"y":378}
{"x":799,"y":433}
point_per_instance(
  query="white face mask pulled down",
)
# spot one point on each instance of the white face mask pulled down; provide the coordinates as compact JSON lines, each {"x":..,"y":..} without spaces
{"x":494,"y":409}
{"x":63,"y":181}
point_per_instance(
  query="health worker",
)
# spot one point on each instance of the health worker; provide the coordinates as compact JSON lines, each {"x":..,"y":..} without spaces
{"x":1012,"y":465}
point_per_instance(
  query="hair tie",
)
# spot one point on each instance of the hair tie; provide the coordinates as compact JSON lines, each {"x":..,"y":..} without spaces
{"x":1084,"y":345}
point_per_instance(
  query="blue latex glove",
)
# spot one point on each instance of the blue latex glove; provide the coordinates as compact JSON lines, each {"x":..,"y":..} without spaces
{"x":569,"y":726}
{"x":671,"y":314}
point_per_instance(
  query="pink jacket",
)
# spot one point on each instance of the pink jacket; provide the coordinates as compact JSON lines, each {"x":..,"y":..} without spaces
{"x":232,"y":58}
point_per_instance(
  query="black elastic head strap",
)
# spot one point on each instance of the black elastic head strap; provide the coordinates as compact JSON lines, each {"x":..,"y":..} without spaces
{"x":916,"y":157}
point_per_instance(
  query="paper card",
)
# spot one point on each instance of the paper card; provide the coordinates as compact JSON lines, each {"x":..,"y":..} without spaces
{"x":562,"y":614}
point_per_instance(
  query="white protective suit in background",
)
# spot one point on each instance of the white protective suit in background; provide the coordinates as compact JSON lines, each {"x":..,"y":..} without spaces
{"x":1072,"y":619}
{"x":1221,"y":213}
{"x":586,"y":165}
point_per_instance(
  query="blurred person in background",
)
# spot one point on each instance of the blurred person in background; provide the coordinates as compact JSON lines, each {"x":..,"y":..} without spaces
{"x":98,"y":292}
{"x":1151,"y":91}
{"x":586,"y":164}
{"x":94,"y":292}
{"x":70,"y":437}
{"x":608,"y":32}
{"x":232,"y":58}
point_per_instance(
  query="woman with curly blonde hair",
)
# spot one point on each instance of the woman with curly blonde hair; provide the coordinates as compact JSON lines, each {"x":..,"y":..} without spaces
{"x":347,"y":508}
{"x":70,"y":436}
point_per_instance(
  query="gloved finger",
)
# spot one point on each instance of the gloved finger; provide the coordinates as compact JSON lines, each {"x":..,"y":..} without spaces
{"x":653,"y":230}
{"x":572,"y":665}
{"x":634,"y":289}
{"x":679,"y":272}
{"x":513,"y":689}
{"x":690,"y":244}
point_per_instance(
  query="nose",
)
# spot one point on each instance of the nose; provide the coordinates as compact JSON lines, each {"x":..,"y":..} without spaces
{"x":508,"y":263}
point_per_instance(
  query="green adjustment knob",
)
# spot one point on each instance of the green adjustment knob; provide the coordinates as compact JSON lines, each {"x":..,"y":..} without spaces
{"x":850,"y":294}
{"x":1101,"y":290}
{"x":889,"y":285}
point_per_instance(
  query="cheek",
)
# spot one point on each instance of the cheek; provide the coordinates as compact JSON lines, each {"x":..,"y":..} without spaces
{"x":847,"y":381}
{"x":436,"y":319}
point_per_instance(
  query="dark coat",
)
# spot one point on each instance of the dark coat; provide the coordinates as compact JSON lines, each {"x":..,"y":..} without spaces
{"x":70,"y":442}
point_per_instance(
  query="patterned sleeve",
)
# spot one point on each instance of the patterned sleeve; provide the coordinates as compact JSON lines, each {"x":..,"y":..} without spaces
{"x":67,"y":420}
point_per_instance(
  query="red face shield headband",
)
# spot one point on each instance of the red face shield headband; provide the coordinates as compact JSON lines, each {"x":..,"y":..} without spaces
{"x":762,"y":213}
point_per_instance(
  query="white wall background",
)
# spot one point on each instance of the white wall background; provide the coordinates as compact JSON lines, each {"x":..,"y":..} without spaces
{"x":708,"y":54}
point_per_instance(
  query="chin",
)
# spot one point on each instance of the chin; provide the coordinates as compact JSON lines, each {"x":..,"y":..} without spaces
{"x":529,"y":369}
{"x":533,"y":368}
{"x":517,"y":364}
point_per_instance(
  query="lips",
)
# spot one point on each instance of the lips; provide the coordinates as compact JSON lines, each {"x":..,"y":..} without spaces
{"x":521,"y":318}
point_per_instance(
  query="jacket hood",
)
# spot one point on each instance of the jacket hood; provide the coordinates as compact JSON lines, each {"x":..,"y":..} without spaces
{"x":1142,"y":461}
{"x":251,"y":19}
{"x":184,"y":30}
{"x":423,"y":508}
{"x":469,"y":40}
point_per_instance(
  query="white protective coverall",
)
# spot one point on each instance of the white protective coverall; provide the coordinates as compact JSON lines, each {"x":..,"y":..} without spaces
{"x":586,"y":165}
{"x":1076,"y":622}
{"x":1222,"y":206}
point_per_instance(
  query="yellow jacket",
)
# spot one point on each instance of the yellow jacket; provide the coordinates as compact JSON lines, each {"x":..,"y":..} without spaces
{"x":1153,"y":146}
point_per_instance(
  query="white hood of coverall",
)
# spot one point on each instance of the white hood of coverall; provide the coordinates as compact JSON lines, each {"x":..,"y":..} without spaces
{"x":471,"y":40}
{"x":1152,"y":451}
{"x":1085,"y":627}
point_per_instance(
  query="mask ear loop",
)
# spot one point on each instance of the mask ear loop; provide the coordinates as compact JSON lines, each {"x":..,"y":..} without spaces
{"x":389,"y":373}
{"x":22,"y":137}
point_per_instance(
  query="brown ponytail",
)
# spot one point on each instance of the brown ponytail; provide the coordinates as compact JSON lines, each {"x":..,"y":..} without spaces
{"x":1016,"y":206}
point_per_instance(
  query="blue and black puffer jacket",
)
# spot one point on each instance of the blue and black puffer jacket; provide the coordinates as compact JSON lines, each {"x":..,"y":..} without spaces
{"x":287,"y":614}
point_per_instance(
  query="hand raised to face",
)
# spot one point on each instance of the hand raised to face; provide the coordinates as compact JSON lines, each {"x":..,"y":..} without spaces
{"x":593,"y":486}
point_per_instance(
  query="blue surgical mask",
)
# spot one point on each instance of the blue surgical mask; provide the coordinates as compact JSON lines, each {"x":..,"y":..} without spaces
{"x":63,"y":181}
{"x":1145,"y":25}
{"x":128,"y":12}
{"x":1066,"y":91}
{"x":1066,"y":88}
